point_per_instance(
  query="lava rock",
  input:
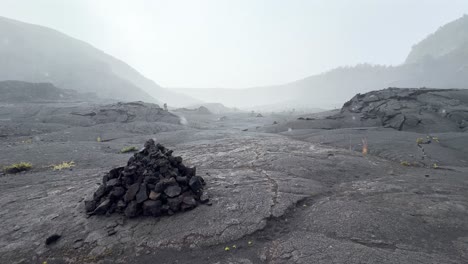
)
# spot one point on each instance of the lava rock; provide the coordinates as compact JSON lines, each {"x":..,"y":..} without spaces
{"x":131,"y":210}
{"x":117,"y":193}
{"x":112,"y":183}
{"x":114,"y":173}
{"x":188,"y":203}
{"x":172,"y":191}
{"x":142,"y":195}
{"x":196,"y":184}
{"x":174,"y":203}
{"x":154,"y":195}
{"x":153,"y":183}
{"x":152,"y":208}
{"x":90,"y":206}
{"x":204,"y":198}
{"x":100,"y":192}
{"x":102,"y":207}
{"x":131,"y":192}
{"x":52,"y":239}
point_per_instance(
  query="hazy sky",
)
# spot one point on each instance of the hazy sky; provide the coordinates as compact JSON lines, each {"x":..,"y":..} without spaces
{"x":242,"y":43}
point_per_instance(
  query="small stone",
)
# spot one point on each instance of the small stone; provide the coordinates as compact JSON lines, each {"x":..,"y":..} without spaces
{"x":188,"y":203}
{"x":161,"y":185}
{"x":154,"y":195}
{"x":204,"y":198}
{"x":102,"y":207}
{"x":173,"y":191}
{"x":114,"y":173}
{"x":121,"y":205}
{"x":105,"y":178}
{"x":52,"y":239}
{"x":151,"y":180}
{"x":100,"y":192}
{"x":181,"y":179}
{"x":131,"y":210}
{"x":90,"y":206}
{"x":174,"y":203}
{"x":131,"y":192}
{"x":117,"y":193}
{"x":112,"y":182}
{"x":152,"y":208}
{"x":191,"y":171}
{"x":195,"y":184}
{"x":142,"y":195}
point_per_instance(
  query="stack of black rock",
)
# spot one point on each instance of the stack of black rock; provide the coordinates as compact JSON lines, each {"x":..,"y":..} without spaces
{"x":153,"y":183}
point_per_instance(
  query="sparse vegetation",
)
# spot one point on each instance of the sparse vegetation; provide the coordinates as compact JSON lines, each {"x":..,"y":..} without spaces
{"x":18,"y":167}
{"x":428,"y":140}
{"x":27,"y":141}
{"x":405,"y":163}
{"x":64,"y":165}
{"x":128,"y":149}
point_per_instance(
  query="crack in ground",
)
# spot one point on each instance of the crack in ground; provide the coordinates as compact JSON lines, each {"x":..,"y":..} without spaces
{"x":274,"y":190}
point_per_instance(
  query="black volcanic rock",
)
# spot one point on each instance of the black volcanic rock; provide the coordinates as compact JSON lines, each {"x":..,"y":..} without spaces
{"x":202,"y":110}
{"x":420,"y":110}
{"x":20,"y":92}
{"x":153,"y":183}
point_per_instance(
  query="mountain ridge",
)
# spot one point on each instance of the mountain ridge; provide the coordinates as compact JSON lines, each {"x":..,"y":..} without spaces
{"x":35,"y":53}
{"x":329,"y":89}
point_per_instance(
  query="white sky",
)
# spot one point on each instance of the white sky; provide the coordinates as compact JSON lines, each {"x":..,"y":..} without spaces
{"x":242,"y":43}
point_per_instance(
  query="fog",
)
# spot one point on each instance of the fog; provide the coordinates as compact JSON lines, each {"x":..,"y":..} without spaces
{"x":284,"y":48}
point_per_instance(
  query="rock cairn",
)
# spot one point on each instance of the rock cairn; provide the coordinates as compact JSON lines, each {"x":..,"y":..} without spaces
{"x":153,"y":183}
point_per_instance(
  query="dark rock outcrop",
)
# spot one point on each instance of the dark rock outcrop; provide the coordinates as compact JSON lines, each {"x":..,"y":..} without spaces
{"x":153,"y":183}
{"x":435,"y":110}
{"x":26,"y":92}
{"x":202,"y":110}
{"x":128,"y":112}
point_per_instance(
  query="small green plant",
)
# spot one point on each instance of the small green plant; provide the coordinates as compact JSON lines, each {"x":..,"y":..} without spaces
{"x":420,"y":141}
{"x":435,"y":166}
{"x":18,"y":167}
{"x":98,"y":139}
{"x":405,"y":163}
{"x":64,"y":165}
{"x":27,"y":141}
{"x":128,"y":149}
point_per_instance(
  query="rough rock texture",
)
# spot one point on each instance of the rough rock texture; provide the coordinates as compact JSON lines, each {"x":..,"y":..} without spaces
{"x":108,"y":121}
{"x":128,"y":112}
{"x":435,"y":110}
{"x":153,"y":183}
{"x":297,"y":197}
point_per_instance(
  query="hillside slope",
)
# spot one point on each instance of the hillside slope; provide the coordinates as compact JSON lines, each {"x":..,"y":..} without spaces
{"x":38,"y":54}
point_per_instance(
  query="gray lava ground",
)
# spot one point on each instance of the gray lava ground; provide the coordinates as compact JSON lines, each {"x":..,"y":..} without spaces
{"x":285,"y":193}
